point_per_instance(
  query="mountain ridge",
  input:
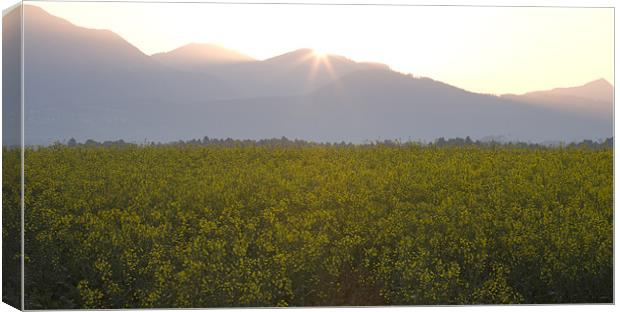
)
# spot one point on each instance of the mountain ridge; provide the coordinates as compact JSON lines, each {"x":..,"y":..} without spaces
{"x":600,"y":88}
{"x":200,"y":55}
{"x":88,"y":84}
{"x":300,"y":51}
{"x":592,"y":98}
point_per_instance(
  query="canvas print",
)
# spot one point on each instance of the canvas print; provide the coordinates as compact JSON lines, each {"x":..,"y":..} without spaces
{"x":207,"y":155}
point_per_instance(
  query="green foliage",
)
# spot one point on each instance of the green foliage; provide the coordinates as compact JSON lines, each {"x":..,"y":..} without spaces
{"x":213,"y":226}
{"x":11,"y":227}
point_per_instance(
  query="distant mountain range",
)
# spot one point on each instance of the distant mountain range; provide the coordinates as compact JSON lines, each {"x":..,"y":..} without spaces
{"x":92,"y":84}
{"x":594,"y":99}
{"x":196,"y":56}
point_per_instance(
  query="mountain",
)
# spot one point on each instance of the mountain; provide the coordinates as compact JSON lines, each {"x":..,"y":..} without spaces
{"x":11,"y":73}
{"x":598,"y":90}
{"x":196,"y":56}
{"x":92,"y":84}
{"x":292,"y":73}
{"x":594,"y":99}
{"x":90,"y":81}
{"x":379,"y":104}
{"x":303,"y":70}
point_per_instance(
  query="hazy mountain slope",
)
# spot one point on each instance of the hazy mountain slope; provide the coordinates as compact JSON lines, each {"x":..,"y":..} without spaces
{"x":423,"y":108}
{"x":92,"y":84}
{"x":599,"y":90}
{"x":196,"y":56}
{"x":77,"y":78}
{"x":378,"y":104}
{"x":292,"y":73}
{"x":11,"y":76}
{"x":594,"y":99}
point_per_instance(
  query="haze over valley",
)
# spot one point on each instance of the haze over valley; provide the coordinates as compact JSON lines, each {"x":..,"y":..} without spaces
{"x":92,"y":84}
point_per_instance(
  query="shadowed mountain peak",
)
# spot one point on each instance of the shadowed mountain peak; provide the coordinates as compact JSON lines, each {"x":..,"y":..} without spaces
{"x":299,"y":54}
{"x":593,"y":98}
{"x":598,"y":90}
{"x":59,"y":38}
{"x":35,"y":14}
{"x":308,"y":56}
{"x":195,"y":55}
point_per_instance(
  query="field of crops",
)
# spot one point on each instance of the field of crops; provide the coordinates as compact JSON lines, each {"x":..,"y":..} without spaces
{"x":214,"y":226}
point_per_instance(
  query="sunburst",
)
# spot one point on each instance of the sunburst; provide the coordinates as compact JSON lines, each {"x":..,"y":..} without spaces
{"x":320,"y":62}
{"x":319,"y":53}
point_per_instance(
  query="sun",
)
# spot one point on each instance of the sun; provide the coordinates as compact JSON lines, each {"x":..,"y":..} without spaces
{"x":319,"y":53}
{"x":321,"y":65}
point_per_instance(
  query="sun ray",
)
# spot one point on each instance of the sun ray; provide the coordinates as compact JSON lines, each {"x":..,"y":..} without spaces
{"x":321,"y":61}
{"x":319,"y":53}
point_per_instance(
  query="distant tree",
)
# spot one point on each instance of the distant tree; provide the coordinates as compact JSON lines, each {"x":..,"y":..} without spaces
{"x":90,"y":142}
{"x":440,"y":142}
{"x":71,"y":142}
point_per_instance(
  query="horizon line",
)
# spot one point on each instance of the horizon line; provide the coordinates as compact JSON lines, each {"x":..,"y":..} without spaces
{"x":325,"y":54}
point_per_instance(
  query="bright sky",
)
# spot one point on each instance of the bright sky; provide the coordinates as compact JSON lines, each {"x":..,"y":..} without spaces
{"x":483,"y":49}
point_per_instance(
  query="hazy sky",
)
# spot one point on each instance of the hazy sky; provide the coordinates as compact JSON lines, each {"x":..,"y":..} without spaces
{"x":482,"y":49}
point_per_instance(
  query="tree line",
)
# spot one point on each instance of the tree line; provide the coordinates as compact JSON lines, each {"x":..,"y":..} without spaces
{"x":286,"y":142}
